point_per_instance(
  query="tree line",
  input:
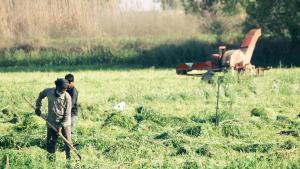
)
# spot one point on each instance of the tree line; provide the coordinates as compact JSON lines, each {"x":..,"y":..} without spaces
{"x":277,"y":18}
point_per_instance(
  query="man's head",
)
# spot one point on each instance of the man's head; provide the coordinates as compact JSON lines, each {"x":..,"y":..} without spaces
{"x":61,"y":85}
{"x":70,"y":78}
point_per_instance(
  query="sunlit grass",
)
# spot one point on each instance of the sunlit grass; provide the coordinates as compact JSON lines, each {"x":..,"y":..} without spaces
{"x":168,"y":121}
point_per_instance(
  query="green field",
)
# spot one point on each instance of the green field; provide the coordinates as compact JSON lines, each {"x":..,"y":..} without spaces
{"x":168,"y":121}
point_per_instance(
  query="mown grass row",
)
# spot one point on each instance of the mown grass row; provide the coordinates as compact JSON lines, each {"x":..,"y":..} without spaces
{"x":132,"y":142}
{"x":169,"y":121}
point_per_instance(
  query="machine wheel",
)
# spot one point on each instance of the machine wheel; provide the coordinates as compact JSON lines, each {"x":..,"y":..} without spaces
{"x":181,"y":72}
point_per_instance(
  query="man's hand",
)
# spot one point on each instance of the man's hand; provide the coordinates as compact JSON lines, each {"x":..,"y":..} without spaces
{"x":59,"y":129}
{"x":38,"y":112}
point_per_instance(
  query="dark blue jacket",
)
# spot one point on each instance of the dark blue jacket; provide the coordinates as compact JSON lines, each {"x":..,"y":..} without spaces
{"x":74,"y":95}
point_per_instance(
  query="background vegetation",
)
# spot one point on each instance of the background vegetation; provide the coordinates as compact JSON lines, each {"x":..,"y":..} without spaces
{"x":98,"y":32}
{"x":169,"y":120}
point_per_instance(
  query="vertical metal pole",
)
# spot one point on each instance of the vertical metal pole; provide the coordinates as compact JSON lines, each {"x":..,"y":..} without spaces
{"x":217,"y":108}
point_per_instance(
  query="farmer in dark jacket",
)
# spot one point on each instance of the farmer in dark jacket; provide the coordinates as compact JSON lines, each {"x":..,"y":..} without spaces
{"x":74,"y":95}
{"x":59,"y":115}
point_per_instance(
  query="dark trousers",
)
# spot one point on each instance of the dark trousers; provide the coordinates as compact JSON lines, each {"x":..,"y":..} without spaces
{"x":52,"y":140}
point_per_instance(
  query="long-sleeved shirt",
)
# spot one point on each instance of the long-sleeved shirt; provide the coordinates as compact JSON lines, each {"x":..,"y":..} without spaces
{"x":59,"y":108}
{"x":74,"y":95}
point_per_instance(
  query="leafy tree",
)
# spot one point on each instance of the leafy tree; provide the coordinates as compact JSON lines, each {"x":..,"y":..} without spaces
{"x":212,"y":6}
{"x":170,"y":4}
{"x":280,"y":18}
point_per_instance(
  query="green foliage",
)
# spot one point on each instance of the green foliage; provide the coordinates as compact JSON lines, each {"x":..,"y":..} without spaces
{"x":10,"y":117}
{"x":261,"y":162}
{"x":163,"y":136}
{"x":20,"y":140}
{"x":117,"y":119}
{"x":218,"y":28}
{"x":268,"y":52}
{"x":90,"y":111}
{"x":234,"y":128}
{"x":149,"y":114}
{"x":280,"y":18}
{"x":264,"y":148}
{"x":222,"y":116}
{"x":178,"y":143}
{"x":204,"y":151}
{"x":259,"y":112}
{"x":131,"y":53}
{"x":5,"y":111}
{"x":195,"y":131}
{"x":289,"y":144}
{"x":282,"y":118}
{"x":8,"y":141}
{"x":122,"y":146}
{"x":30,"y":121}
{"x":171,"y":4}
{"x":198,"y":119}
{"x":191,"y":6}
{"x":183,"y":150}
{"x":190,"y":165}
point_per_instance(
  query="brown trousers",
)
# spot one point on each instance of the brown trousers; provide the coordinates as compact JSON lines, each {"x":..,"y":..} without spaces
{"x":52,"y":140}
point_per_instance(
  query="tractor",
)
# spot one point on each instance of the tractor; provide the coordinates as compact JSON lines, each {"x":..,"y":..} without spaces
{"x":238,"y":59}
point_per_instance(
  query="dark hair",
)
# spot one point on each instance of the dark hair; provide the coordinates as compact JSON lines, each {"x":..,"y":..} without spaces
{"x":61,"y":83}
{"x":70,"y":78}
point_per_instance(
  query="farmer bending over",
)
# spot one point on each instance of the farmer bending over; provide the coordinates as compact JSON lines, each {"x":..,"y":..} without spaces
{"x":59,"y":115}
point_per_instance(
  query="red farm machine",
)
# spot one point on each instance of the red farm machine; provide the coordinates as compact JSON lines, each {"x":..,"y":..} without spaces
{"x":238,"y":59}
